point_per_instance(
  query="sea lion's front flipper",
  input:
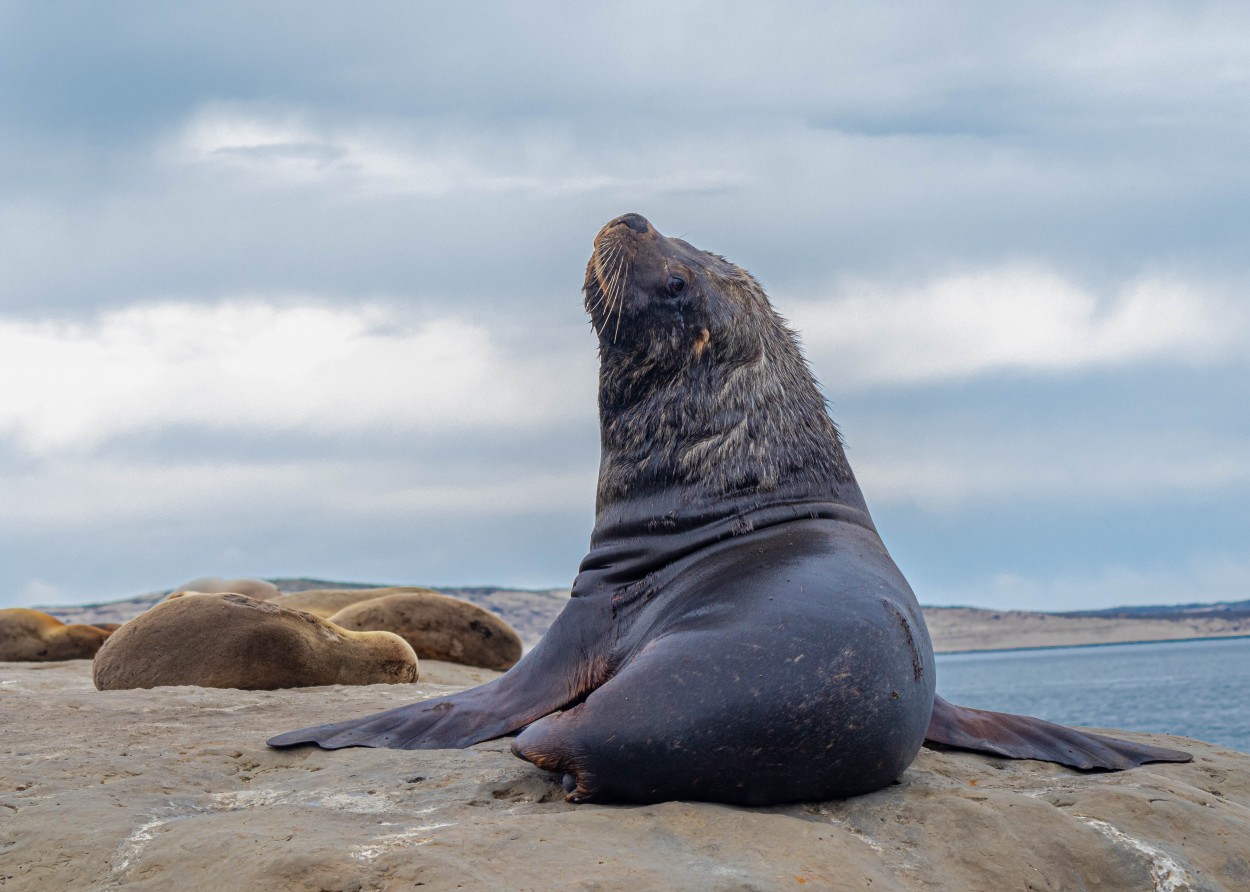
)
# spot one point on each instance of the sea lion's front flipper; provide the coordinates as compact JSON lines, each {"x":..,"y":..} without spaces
{"x":1024,"y":737}
{"x":563,"y":668}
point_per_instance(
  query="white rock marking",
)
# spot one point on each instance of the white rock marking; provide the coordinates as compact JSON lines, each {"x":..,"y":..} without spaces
{"x":1169,"y":874}
{"x":410,"y":837}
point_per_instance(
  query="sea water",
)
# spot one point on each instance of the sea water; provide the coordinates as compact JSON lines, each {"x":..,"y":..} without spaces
{"x":1198,"y":688}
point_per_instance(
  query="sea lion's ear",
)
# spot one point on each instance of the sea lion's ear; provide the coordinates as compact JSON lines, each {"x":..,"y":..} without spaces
{"x":701,"y":342}
{"x":1024,"y":737}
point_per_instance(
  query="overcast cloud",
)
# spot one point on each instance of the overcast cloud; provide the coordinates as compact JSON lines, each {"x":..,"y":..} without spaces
{"x":293,"y":290}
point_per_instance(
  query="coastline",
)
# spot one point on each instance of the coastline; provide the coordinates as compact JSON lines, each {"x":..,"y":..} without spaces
{"x":952,"y":629}
{"x":999,"y":650}
{"x":972,"y":629}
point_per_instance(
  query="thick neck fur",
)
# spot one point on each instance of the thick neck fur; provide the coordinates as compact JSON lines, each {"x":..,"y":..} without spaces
{"x":726,"y":415}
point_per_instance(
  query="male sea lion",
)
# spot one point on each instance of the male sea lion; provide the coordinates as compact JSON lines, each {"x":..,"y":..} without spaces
{"x":738,"y":632}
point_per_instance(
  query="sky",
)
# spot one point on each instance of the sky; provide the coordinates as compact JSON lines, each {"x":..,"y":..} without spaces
{"x":293,"y":289}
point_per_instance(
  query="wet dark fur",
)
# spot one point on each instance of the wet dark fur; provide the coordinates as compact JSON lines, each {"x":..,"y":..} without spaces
{"x":742,"y":416}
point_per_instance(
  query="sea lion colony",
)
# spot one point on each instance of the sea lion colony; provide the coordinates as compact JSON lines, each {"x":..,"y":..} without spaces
{"x":207,"y":634}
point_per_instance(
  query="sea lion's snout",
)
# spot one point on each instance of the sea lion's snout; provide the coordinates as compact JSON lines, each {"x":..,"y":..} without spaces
{"x":612,"y":232}
{"x":637,"y":222}
{"x":638,"y":284}
{"x":617,"y":251}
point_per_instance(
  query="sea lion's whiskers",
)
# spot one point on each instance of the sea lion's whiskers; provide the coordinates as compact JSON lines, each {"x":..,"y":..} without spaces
{"x":607,"y":271}
{"x":602,"y":262}
{"x":612,"y":260}
{"x":620,"y":311}
{"x":601,"y":259}
{"x":618,"y":282}
{"x":603,"y":295}
{"x":618,"y":287}
{"x":605,"y":259}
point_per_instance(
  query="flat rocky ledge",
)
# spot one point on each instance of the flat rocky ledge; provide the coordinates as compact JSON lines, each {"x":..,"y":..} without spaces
{"x":173,"y":788}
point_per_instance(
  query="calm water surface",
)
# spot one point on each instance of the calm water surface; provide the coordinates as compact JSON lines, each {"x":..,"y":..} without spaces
{"x":1196,"y":688}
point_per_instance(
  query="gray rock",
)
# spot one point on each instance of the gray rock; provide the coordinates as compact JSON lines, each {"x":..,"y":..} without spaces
{"x":173,"y":788}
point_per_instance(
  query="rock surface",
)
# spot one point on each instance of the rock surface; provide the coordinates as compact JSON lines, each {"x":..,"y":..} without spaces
{"x":438,"y":628}
{"x":234,"y":641}
{"x":173,"y":788}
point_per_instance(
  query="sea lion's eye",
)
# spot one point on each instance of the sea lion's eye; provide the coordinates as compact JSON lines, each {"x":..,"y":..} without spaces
{"x":676,"y":285}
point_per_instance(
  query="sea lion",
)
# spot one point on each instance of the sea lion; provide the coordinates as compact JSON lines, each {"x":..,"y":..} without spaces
{"x":233,"y":641}
{"x":738,"y":632}
{"x":259,"y":589}
{"x":438,"y":628}
{"x":326,"y":602}
{"x":31,"y":636}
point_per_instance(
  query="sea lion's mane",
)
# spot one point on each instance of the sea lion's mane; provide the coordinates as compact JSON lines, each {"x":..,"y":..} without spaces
{"x":702,"y":384}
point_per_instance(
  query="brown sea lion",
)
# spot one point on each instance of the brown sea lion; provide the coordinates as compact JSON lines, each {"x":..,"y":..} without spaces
{"x":438,"y":628}
{"x":233,"y":641}
{"x":34,"y":636}
{"x":328,"y":601}
{"x":212,"y":585}
{"x":738,"y":631}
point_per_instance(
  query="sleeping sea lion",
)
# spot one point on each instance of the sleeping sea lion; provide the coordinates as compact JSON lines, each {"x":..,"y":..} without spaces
{"x":738,"y":632}
{"x":229,"y":640}
{"x":438,"y":627}
{"x":260,"y":589}
{"x":34,"y":636}
{"x":325,"y":602}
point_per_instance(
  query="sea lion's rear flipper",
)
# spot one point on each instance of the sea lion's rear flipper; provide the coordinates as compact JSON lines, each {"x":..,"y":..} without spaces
{"x":1024,"y":737}
{"x":561,"y":669}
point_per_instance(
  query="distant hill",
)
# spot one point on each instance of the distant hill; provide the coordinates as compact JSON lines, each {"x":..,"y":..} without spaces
{"x":531,"y":612}
{"x":1225,"y":609}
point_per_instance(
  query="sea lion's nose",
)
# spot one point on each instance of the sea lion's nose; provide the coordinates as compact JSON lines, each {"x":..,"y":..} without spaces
{"x":637,"y":222}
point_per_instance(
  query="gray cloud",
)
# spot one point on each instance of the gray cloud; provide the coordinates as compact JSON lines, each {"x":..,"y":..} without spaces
{"x":871,"y":165}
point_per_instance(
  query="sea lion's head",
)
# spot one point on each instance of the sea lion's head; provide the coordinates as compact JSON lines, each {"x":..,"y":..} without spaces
{"x":702,"y":385}
{"x":664,"y":301}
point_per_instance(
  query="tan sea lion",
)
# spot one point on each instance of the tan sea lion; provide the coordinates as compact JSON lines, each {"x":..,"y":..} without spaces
{"x":33,"y":636}
{"x":438,"y":628}
{"x":233,"y":641}
{"x":326,"y":602}
{"x":211,"y":585}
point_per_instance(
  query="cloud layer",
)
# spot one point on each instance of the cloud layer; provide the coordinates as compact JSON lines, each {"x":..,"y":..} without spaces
{"x":299,"y":294}
{"x":1017,"y":317}
{"x":249,"y":365}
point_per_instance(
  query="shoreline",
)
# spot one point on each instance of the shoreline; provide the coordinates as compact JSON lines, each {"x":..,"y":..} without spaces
{"x":1085,"y":644}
